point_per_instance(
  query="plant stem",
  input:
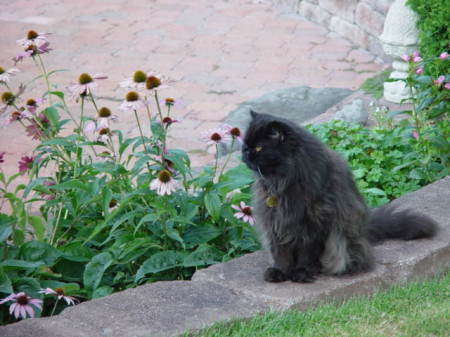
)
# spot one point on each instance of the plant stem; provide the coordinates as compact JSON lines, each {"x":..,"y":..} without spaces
{"x":228,"y":158}
{"x":158,"y":106}
{"x":148,"y":110}
{"x":54,"y":307}
{"x":44,"y":71}
{"x":140,"y":131}
{"x":56,"y":225}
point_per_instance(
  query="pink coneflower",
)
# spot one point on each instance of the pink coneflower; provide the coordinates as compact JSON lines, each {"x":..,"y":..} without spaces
{"x":8,"y":99}
{"x":33,"y":38}
{"x":244,"y":213}
{"x":415,"y":134}
{"x":86,"y":85}
{"x":37,"y":127}
{"x":103,"y":135}
{"x":6,"y":73}
{"x":447,"y":86}
{"x":104,"y":116}
{"x":132,"y":102}
{"x":22,"y":305}
{"x":135,"y":82}
{"x":439,"y":80}
{"x":32,"y":50}
{"x":417,"y":59}
{"x":31,"y":105}
{"x":164,"y":183}
{"x":157,"y":82}
{"x":25,"y":164}
{"x":59,"y":292}
{"x":215,"y":136}
{"x":2,"y":154}
{"x":234,"y":132}
{"x":419,"y":71}
{"x":443,"y":56}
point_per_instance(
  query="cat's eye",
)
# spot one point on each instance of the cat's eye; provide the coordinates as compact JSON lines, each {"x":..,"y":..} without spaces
{"x":258,"y":148}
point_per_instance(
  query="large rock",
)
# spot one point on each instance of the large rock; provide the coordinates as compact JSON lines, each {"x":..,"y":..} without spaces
{"x":355,"y":112}
{"x":296,"y":104}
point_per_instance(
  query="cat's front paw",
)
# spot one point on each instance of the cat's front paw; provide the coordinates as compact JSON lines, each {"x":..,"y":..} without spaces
{"x":274,"y":275}
{"x":302,"y":276}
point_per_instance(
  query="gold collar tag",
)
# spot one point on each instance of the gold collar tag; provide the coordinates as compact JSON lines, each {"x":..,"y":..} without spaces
{"x":271,"y":201}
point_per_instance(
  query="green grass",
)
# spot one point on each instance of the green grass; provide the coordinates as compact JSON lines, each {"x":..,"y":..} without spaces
{"x":414,"y":310}
{"x":374,"y":85}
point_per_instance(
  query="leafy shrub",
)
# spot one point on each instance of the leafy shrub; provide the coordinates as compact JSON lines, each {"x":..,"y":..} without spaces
{"x":434,"y":30}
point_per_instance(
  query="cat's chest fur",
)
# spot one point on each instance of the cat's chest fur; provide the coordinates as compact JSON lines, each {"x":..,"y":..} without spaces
{"x":272,"y":210}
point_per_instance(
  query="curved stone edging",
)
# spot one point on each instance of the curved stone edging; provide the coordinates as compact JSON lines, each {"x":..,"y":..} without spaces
{"x":235,"y":289}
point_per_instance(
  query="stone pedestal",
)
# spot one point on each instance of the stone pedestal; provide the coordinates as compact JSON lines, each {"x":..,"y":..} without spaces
{"x":399,"y":37}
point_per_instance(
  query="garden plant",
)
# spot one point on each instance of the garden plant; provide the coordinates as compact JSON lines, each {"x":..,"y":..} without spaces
{"x":102,"y":212}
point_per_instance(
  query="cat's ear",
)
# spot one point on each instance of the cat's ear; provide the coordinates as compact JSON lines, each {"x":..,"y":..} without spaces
{"x":277,"y":130}
{"x":253,"y":114}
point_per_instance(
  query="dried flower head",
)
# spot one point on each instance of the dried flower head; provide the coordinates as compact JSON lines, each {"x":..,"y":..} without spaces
{"x":2,"y":154}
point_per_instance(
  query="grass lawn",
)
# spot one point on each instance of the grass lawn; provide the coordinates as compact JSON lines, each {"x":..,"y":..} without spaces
{"x":414,"y":310}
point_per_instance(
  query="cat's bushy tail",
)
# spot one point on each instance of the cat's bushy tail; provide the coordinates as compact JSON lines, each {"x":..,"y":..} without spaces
{"x":387,"y":222}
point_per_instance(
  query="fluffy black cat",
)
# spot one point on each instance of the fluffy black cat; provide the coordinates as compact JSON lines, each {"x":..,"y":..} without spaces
{"x":307,"y":203}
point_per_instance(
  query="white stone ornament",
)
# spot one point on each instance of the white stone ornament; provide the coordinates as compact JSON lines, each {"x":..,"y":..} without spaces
{"x":399,"y":37}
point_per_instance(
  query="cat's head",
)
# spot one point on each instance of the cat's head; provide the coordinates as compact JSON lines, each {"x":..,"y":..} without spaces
{"x":268,"y":144}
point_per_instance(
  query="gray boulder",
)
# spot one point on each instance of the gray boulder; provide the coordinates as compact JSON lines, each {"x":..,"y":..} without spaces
{"x":355,"y":112}
{"x":297,"y":104}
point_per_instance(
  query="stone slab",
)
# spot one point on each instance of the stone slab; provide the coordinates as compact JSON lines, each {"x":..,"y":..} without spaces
{"x":397,"y":262}
{"x":246,"y":274}
{"x":296,"y":104}
{"x":158,"y":309}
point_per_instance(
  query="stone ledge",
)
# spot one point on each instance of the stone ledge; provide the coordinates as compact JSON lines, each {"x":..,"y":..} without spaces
{"x":157,"y":309}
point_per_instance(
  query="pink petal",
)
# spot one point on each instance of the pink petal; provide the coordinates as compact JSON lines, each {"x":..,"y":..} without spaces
{"x":17,"y":311}
{"x":237,"y":208}
{"x":242,"y":204}
{"x":29,"y":310}
{"x":12,"y":307}
{"x":23,"y":312}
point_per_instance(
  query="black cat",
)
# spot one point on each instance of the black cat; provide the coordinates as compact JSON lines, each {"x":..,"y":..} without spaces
{"x":307,"y":203}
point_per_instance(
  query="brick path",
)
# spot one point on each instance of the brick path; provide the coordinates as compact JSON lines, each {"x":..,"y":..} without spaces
{"x":219,"y":52}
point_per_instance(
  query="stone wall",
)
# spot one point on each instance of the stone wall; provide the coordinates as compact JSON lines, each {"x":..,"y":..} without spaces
{"x":360,"y":21}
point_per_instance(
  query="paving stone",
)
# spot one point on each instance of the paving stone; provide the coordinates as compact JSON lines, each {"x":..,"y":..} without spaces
{"x":158,"y":309}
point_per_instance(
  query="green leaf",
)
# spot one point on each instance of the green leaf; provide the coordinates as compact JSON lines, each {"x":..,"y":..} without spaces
{"x":38,"y":251}
{"x":213,"y":204}
{"x":38,"y":225}
{"x":6,"y":223}
{"x":28,"y":285}
{"x":5,"y":282}
{"x":102,"y":291}
{"x":71,"y":184}
{"x":20,"y":264}
{"x":375,"y":191}
{"x":95,"y":269}
{"x":60,"y":94}
{"x":159,"y":262}
{"x":174,"y":234}
{"x":200,"y":234}
{"x":204,"y":255}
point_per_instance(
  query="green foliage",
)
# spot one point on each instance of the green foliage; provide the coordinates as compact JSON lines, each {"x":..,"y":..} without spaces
{"x":434,"y":30}
{"x":374,"y":85}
